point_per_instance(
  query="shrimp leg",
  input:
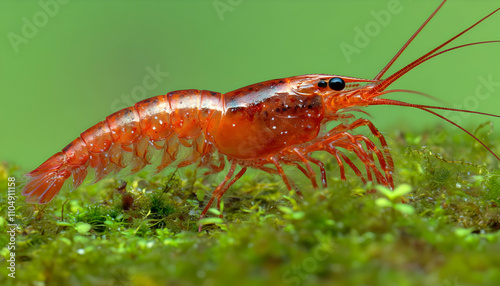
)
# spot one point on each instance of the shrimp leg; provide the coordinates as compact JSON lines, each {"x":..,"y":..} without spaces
{"x":223,"y":187}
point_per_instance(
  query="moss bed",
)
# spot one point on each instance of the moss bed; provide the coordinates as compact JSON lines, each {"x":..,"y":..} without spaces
{"x":439,"y":227}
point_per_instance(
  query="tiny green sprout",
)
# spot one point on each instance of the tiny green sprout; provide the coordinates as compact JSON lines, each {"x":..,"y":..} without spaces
{"x":291,"y":214}
{"x":463,"y":232}
{"x":399,"y":192}
{"x":75,"y":206}
{"x":5,"y":253}
{"x":393,"y":197}
{"x":467,"y":235}
{"x":200,"y":195}
{"x":478,"y":178}
{"x":359,"y":191}
{"x":164,"y":233}
{"x":215,"y":211}
{"x":413,"y":139}
{"x":82,"y":227}
{"x":291,"y":200}
{"x":64,"y":223}
{"x":114,"y":224}
{"x":65,"y":240}
{"x":210,"y":220}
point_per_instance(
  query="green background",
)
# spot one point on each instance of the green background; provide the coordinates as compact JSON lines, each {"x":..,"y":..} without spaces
{"x":71,"y":73}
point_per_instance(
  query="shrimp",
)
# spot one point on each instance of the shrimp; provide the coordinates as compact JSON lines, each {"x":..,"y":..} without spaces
{"x":262,"y":126}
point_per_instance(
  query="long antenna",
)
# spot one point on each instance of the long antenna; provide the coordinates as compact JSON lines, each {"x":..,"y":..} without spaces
{"x":383,"y":101}
{"x":388,"y":81}
{"x":396,"y":56}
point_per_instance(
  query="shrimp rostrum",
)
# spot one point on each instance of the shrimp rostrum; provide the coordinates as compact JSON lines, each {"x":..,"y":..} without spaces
{"x":262,"y":126}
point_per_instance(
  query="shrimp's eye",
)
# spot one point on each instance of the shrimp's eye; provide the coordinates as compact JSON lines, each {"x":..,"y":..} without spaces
{"x":322,"y":83}
{"x":336,"y":83}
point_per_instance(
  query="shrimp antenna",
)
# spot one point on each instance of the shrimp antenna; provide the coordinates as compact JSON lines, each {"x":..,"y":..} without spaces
{"x":403,"y":48}
{"x":388,"y":81}
{"x":383,"y":101}
{"x":378,"y":89}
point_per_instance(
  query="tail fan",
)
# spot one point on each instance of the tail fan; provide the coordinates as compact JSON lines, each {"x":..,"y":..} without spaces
{"x":45,"y":181}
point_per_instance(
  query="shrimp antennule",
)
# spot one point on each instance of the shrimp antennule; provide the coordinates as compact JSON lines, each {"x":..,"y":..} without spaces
{"x":383,"y":101}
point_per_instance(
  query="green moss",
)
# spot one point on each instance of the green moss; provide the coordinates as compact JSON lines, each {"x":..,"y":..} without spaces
{"x":443,"y":230}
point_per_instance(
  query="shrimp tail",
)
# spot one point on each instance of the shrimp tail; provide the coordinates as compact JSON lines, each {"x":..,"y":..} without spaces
{"x":129,"y":138}
{"x":45,"y":181}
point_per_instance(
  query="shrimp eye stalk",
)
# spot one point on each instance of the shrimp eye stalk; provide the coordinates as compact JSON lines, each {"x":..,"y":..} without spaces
{"x":336,"y":83}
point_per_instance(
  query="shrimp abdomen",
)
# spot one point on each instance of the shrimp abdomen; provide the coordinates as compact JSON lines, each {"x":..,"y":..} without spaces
{"x":127,"y":138}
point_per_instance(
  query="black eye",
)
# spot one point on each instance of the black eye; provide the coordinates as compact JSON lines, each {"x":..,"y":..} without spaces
{"x":336,"y":83}
{"x":322,"y":83}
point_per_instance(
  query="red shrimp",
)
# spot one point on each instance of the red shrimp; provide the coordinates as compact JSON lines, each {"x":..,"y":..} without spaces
{"x":262,"y":126}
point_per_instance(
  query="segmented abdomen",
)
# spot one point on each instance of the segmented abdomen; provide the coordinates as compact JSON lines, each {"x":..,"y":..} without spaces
{"x":129,"y":137}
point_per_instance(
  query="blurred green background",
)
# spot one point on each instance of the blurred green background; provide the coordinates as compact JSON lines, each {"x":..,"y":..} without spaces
{"x":64,"y":67}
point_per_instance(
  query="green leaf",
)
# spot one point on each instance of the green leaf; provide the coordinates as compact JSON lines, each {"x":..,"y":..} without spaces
{"x":384,"y":190}
{"x":66,"y":240}
{"x":463,"y":232}
{"x":397,"y":193}
{"x":64,"y":223}
{"x":214,"y":211}
{"x":82,"y":227}
{"x":291,"y":214}
{"x":200,"y":195}
{"x":221,"y":206}
{"x":5,"y":252}
{"x":209,"y":220}
{"x":285,"y":210}
{"x":330,"y":222}
{"x":80,"y":239}
{"x":291,"y":200}
{"x":401,"y":190}
{"x":359,"y":191}
{"x":383,"y":203}
{"x":2,"y":222}
{"x":298,"y":215}
{"x":406,"y":209}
